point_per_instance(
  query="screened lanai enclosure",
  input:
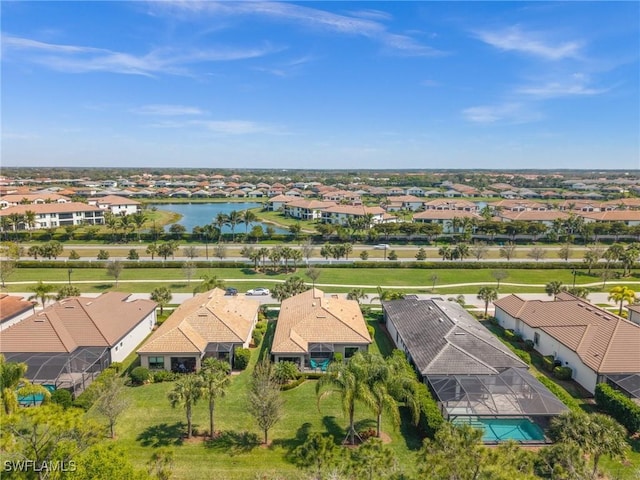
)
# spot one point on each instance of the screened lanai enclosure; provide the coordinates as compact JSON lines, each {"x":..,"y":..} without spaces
{"x":627,"y":383}
{"x":509,"y":406}
{"x":71,"y":371}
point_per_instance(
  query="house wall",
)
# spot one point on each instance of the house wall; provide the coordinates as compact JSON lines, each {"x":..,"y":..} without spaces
{"x":133,"y":338}
{"x":548,"y":345}
{"x":144,"y":359}
{"x":17,"y":318}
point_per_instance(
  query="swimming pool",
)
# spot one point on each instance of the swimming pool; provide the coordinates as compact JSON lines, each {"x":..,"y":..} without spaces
{"x":503,"y":429}
{"x":35,"y":399}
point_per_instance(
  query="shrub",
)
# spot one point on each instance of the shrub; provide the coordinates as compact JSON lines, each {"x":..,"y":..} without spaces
{"x":560,"y":392}
{"x":524,"y":356}
{"x":313,"y":375}
{"x":528,"y":345}
{"x":87,"y":398}
{"x":133,"y":255}
{"x":509,"y":335}
{"x":140,"y":375}
{"x":257,"y":336}
{"x":62,"y":397}
{"x":517,"y":337}
{"x":103,"y":255}
{"x":73,"y":255}
{"x":284,"y":372}
{"x":371,"y":330}
{"x":619,"y":406}
{"x":367,"y":434}
{"x":338,"y":357}
{"x":116,"y":366}
{"x":562,"y":373}
{"x":430,"y":417}
{"x":160,"y":376}
{"x":548,"y":363}
{"x":241,"y":358}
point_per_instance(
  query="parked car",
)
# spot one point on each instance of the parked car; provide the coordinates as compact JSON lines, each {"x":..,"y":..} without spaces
{"x":231,"y":291}
{"x":259,"y":291}
{"x":381,"y":246}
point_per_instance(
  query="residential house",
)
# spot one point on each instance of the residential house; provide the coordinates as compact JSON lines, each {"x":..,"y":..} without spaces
{"x":447,"y":204}
{"x":312,"y":327}
{"x":546,"y":217}
{"x":592,"y":341}
{"x":628,"y":217}
{"x":406,"y":202}
{"x":415,"y":191}
{"x":634,"y":313}
{"x":470,"y":371}
{"x":72,"y":340}
{"x":306,"y":209}
{"x":210,"y":324}
{"x":13,"y":309}
{"x":52,"y":215}
{"x":445,"y":218}
{"x":340,"y":214}
{"x":278,"y":202}
{"x":116,"y":204}
{"x":32,"y":199}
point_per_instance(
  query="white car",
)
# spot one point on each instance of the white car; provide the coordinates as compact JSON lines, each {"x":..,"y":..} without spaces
{"x":259,"y":291}
{"x":382,"y":246}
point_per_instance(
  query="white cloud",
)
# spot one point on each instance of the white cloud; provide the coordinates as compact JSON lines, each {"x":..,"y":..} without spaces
{"x":532,"y":43}
{"x":236,"y":127}
{"x":577,"y":85}
{"x":82,"y":59}
{"x":168,"y":110}
{"x":512,"y":113}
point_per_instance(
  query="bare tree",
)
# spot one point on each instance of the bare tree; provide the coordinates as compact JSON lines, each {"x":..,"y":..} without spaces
{"x":189,"y":270}
{"x":479,"y":251}
{"x":114,"y":269}
{"x":308,"y":250}
{"x":508,"y":251}
{"x":536,"y":253}
{"x":190,"y":252}
{"x":313,"y":273}
{"x":220,"y":251}
{"x":112,"y":403}
{"x":499,"y":275}
{"x":7,"y":268}
{"x":264,"y":401}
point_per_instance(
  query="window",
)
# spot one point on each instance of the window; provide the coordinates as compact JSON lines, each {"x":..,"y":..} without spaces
{"x":350,"y":351}
{"x":156,"y":363}
{"x":536,"y":338}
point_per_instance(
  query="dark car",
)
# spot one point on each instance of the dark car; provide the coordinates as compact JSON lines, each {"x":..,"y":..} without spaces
{"x":231,"y":291}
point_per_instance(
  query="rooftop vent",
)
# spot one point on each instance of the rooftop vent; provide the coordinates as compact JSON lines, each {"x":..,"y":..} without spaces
{"x":68,"y":306}
{"x":459,"y":333}
{"x":39,"y":318}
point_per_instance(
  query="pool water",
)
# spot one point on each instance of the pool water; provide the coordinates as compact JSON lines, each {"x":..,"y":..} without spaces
{"x":503,"y":429}
{"x":36,"y":399}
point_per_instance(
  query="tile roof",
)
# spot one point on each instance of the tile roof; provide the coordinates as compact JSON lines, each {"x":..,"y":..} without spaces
{"x":604,"y":342}
{"x":443,"y":339}
{"x":209,"y":317}
{"x":534,"y":215}
{"x":50,"y":208}
{"x":11,"y":306}
{"x":445,"y":215}
{"x":32,"y":197}
{"x":311,"y":317}
{"x":114,"y":200}
{"x":77,"y":322}
{"x":354,"y":210}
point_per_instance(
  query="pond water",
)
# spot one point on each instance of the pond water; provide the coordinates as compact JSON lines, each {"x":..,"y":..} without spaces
{"x":194,"y":214}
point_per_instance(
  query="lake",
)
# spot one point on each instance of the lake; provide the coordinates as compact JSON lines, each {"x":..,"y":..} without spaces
{"x":194,"y":214}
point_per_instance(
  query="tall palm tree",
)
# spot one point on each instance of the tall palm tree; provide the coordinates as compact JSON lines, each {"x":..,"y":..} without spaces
{"x":216,"y":380}
{"x":349,"y":381}
{"x":622,"y":293}
{"x":15,"y":219}
{"x":220,"y":221}
{"x":186,"y":392}
{"x":487,"y":295}
{"x":138,"y":220}
{"x":42,"y":292}
{"x":30,"y":220}
{"x":264,"y":253}
{"x":247,"y":217}
{"x":233,"y":219}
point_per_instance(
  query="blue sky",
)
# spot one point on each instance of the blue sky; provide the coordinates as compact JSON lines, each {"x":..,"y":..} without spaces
{"x":321,"y":84}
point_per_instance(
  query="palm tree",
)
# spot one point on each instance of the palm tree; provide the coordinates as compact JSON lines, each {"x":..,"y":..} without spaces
{"x":247,"y":217}
{"x":30,"y":220}
{"x":553,"y":288}
{"x":445,"y":252}
{"x":356,"y":294}
{"x":215,"y":377}
{"x":487,"y":295}
{"x":186,"y":392}
{"x":162,"y":296}
{"x":233,"y":219}
{"x":622,"y":294}
{"x":209,"y":282}
{"x":386,"y":295}
{"x":264,"y":253}
{"x":14,"y":384}
{"x":138,"y":220}
{"x":42,"y":292}
{"x":220,"y":221}
{"x":349,"y":381}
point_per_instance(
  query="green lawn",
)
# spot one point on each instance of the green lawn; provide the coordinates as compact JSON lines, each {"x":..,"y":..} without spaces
{"x":150,"y":422}
{"x":331,"y":279}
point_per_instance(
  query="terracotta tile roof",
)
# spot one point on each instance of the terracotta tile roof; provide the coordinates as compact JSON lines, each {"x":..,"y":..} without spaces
{"x":311,"y":204}
{"x":604,"y":342}
{"x":612,"y":215}
{"x":50,"y":208}
{"x":283,"y":198}
{"x":310,"y":317}
{"x":445,"y":215}
{"x":209,"y":317}
{"x":534,"y":215}
{"x":12,"y":306}
{"x":77,"y":322}
{"x":453,"y":204}
{"x":355,"y":210}
{"x":32,"y":197}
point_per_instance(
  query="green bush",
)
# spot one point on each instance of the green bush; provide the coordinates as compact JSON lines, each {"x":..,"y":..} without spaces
{"x":548,"y":363}
{"x":313,"y":375}
{"x":562,"y":373}
{"x":285,"y":372}
{"x":140,"y":375}
{"x":524,"y":356}
{"x":517,"y":337}
{"x":257,"y":336}
{"x":73,"y":255}
{"x":62,"y":397}
{"x":619,"y":406}
{"x":117,"y":366}
{"x":103,"y":255}
{"x":528,"y":345}
{"x":560,"y":392}
{"x":430,"y":416}
{"x":241,"y":358}
{"x":294,"y":384}
{"x":160,"y":376}
{"x":339,"y":357}
{"x":87,"y":398}
{"x":509,"y":335}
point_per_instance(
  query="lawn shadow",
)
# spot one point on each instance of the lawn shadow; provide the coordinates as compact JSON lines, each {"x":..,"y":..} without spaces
{"x":335,"y":430}
{"x":267,"y":340}
{"x":162,"y":435}
{"x":290,"y":444}
{"x":176,"y":286}
{"x":248,"y":271}
{"x":409,"y":430}
{"x":233,"y":443}
{"x":103,"y":286}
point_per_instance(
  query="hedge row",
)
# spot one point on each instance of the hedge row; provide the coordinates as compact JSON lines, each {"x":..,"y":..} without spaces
{"x":561,"y":393}
{"x":127,"y":264}
{"x":430,"y":416}
{"x":619,"y":406}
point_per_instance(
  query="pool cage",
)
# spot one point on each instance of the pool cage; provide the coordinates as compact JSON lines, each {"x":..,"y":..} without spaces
{"x":72,"y":371}
{"x":513,"y":392}
{"x":628,"y":383}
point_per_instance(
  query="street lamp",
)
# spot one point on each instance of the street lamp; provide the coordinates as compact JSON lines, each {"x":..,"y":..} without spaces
{"x":69,"y":272}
